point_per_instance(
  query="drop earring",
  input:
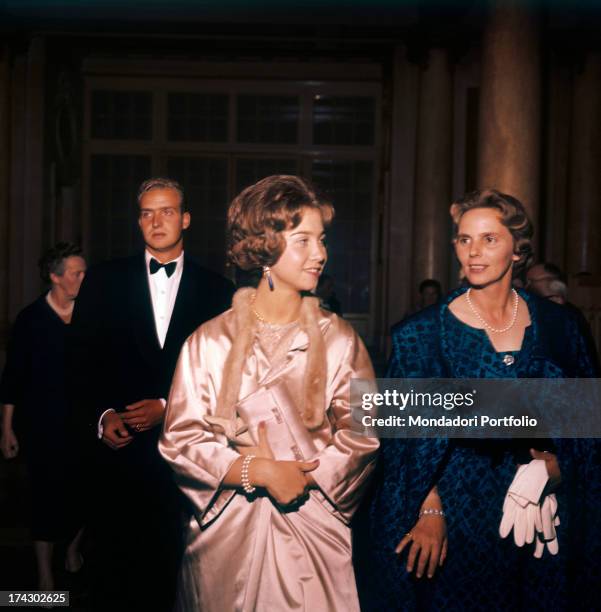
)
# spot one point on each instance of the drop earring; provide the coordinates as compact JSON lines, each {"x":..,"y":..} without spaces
{"x":267,"y":275}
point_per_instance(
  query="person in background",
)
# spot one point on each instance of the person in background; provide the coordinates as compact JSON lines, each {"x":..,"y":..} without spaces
{"x":539,"y":274}
{"x":131,"y":319}
{"x":548,"y":281}
{"x":430,"y":292}
{"x":554,"y":290}
{"x":34,"y":384}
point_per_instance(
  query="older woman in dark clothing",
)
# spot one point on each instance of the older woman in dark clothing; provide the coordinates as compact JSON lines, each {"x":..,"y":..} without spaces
{"x":33,"y":385}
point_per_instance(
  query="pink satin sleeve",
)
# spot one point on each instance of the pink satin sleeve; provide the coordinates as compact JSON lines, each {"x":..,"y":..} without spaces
{"x":349,"y":458}
{"x":199,"y":458}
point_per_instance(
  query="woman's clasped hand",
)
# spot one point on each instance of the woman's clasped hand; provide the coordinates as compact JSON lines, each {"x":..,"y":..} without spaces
{"x":287,"y":482}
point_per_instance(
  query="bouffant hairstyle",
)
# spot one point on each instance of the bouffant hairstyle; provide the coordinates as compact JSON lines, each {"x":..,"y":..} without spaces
{"x":513,"y":216}
{"x":53,"y":260}
{"x":260,"y":213}
{"x":162,"y":183}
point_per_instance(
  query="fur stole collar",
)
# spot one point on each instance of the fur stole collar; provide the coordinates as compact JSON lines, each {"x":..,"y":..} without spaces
{"x":312,"y":407}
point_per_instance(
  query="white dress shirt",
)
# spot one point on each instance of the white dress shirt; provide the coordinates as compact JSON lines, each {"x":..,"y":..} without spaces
{"x":163,"y":292}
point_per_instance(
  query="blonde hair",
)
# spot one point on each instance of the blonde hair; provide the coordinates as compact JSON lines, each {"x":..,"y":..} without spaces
{"x":161,"y":183}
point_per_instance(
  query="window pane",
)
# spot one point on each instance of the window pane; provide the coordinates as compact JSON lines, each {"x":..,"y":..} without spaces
{"x":268,"y":119}
{"x":121,"y":115}
{"x":350,"y":186}
{"x":250,"y":170}
{"x":114,"y":182}
{"x":343,"y":121}
{"x":205,"y":181}
{"x":197,"y":117}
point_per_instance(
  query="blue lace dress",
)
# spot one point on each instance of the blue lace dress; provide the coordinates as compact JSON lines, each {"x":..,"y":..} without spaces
{"x":482,"y":571}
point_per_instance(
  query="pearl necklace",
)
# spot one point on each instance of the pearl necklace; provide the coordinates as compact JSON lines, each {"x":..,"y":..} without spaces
{"x":262,"y":319}
{"x":490,"y":327}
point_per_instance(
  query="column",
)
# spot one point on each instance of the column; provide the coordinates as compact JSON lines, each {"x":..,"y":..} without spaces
{"x":510,"y":103}
{"x":557,"y":160}
{"x":397,"y":219}
{"x":584,"y":214}
{"x":433,"y":176}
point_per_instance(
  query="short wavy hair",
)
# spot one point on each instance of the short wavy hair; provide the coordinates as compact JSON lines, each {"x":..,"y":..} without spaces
{"x":513,"y":216}
{"x":162,"y":183}
{"x":53,"y":260}
{"x":258,"y":215}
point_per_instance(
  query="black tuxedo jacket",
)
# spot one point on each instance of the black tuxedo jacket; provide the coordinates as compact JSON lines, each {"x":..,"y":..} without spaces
{"x":115,"y":353}
{"x":116,"y":359}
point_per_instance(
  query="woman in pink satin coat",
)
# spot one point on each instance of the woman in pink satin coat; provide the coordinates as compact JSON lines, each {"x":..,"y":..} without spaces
{"x":258,"y":423}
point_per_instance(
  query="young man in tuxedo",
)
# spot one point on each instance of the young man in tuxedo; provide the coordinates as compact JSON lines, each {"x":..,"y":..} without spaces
{"x":131,"y":318}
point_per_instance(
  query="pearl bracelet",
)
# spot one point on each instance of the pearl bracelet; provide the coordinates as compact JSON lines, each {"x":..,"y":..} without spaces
{"x":248,"y":488}
{"x":431,"y":511}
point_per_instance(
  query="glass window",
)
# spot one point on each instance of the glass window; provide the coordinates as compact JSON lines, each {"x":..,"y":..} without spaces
{"x":205,"y":181}
{"x":268,"y":119}
{"x":215,"y":153}
{"x":197,"y":117}
{"x":250,"y":170}
{"x":121,"y":115}
{"x":343,"y":120}
{"x":114,"y":182}
{"x":350,"y":185}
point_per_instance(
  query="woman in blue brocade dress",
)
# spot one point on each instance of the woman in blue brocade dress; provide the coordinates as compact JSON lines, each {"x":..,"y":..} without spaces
{"x":486,"y":331}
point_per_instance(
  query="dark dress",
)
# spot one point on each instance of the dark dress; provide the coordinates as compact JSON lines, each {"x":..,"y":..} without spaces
{"x":34,"y":381}
{"x":482,"y":571}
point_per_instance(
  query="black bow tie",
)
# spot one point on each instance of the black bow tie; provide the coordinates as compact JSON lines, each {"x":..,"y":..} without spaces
{"x":155,"y":266}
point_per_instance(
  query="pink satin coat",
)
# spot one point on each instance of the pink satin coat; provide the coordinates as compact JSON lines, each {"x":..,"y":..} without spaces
{"x":244,"y":553}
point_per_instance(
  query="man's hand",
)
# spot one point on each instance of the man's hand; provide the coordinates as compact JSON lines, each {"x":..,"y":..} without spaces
{"x":553,"y":470}
{"x":115,"y":434}
{"x":9,"y":444}
{"x":144,"y":415}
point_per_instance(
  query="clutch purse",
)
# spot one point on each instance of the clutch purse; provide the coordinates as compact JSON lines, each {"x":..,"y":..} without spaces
{"x":286,"y":433}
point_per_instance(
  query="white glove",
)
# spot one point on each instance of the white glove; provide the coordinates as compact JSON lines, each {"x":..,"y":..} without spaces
{"x":523,"y":513}
{"x":525,"y":521}
{"x":533,"y":521}
{"x":528,"y":483}
{"x":546,"y":534}
{"x":513,"y":517}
